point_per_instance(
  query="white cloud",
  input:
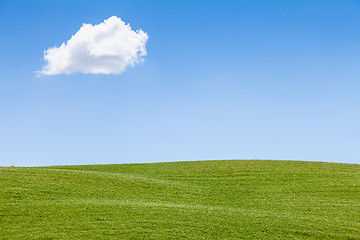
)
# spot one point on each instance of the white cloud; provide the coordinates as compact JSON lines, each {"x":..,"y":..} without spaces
{"x":107,"y":48}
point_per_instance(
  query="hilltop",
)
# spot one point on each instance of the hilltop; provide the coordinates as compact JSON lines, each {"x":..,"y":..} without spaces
{"x":238,"y":199}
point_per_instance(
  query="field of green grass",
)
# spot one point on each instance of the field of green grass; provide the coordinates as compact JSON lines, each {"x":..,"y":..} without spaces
{"x":182,"y":200}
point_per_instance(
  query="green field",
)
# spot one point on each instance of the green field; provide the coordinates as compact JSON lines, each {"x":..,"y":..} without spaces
{"x":245,"y":199}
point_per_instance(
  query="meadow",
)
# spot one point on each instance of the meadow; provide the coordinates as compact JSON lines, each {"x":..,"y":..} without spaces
{"x":237,"y":199}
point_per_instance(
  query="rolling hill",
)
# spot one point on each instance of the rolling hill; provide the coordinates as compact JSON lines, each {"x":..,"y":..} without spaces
{"x":237,"y":199}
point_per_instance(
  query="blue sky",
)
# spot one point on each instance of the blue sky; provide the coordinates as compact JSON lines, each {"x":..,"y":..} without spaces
{"x":274,"y":79}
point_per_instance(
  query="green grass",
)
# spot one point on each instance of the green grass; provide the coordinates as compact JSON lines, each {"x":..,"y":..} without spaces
{"x":182,"y":200}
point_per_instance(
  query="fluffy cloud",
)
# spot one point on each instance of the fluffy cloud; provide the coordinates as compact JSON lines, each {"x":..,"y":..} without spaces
{"x":107,"y":48}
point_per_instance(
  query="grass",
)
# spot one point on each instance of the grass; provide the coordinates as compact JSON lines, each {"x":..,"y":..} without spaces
{"x":182,"y":200}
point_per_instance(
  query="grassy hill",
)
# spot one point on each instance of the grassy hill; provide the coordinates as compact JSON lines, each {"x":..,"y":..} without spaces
{"x":182,"y":200}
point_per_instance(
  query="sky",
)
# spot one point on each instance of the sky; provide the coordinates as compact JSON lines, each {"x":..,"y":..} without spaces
{"x":198,"y":80}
